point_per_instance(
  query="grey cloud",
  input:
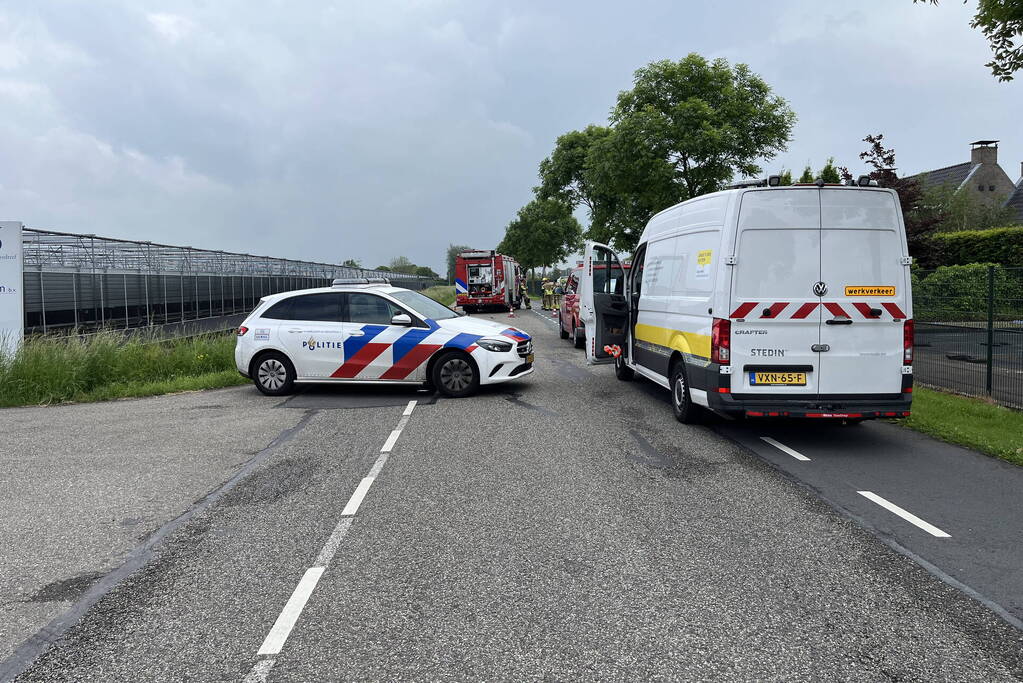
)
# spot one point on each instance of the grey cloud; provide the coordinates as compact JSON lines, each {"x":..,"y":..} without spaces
{"x":329,"y":130}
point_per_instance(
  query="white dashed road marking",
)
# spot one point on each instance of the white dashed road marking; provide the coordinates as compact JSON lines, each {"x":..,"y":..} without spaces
{"x":279,"y":632}
{"x":545,"y":318}
{"x":785,"y":449}
{"x":356,"y":500}
{"x":908,"y":516}
{"x":289,"y":615}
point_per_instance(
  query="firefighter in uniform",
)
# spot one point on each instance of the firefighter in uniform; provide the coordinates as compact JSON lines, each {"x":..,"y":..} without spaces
{"x":559,"y":289}
{"x":524,"y":294}
{"x":548,"y":295}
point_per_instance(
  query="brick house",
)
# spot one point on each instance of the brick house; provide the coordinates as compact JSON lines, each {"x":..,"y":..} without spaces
{"x":981,"y":176}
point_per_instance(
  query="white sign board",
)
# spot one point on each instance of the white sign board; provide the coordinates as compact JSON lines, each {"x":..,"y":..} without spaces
{"x":12,"y":306}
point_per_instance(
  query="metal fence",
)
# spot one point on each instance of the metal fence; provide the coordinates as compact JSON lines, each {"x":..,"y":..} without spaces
{"x":84,"y":282}
{"x":969,"y":331}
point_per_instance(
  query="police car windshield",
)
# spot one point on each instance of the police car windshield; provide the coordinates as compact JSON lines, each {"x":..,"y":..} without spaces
{"x":424,"y":305}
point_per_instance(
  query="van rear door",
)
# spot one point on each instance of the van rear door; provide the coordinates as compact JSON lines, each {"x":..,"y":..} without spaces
{"x":603,"y":307}
{"x":774,"y":309}
{"x":862,"y":246}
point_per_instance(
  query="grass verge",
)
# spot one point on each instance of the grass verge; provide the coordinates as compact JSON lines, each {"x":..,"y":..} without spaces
{"x":107,"y":366}
{"x":971,"y":422}
{"x":444,"y":294}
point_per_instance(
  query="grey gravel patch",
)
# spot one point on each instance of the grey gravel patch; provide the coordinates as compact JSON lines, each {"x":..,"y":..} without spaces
{"x":66,"y":590}
{"x":275,"y":481}
{"x":351,"y":397}
{"x":570,"y":370}
{"x":515,"y":399}
{"x":647,"y":454}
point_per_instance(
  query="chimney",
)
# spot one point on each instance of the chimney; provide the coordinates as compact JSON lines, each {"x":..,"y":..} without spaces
{"x":984,"y":152}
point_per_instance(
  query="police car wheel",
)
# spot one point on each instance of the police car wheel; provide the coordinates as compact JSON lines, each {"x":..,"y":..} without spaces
{"x":681,"y":405}
{"x":622,"y":371}
{"x":274,"y":375}
{"x":455,"y":375}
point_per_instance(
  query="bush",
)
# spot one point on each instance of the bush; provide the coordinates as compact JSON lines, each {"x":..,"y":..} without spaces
{"x":108,"y":365}
{"x":959,"y":293}
{"x":1003,"y":246}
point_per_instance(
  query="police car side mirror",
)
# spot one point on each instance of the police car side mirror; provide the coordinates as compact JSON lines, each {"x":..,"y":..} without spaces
{"x":401,"y":319}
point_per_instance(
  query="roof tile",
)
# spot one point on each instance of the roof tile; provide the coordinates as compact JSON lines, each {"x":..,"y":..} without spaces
{"x":950,"y":175}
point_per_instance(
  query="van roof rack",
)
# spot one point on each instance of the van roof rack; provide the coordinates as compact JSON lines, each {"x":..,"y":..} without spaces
{"x":748,"y":183}
{"x":343,"y":281}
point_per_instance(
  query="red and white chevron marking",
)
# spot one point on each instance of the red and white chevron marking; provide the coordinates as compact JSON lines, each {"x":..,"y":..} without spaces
{"x":784,"y":310}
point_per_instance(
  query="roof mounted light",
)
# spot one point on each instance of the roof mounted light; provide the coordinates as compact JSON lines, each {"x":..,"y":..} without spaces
{"x":343,"y":281}
{"x":774,"y":180}
{"x":863,"y":181}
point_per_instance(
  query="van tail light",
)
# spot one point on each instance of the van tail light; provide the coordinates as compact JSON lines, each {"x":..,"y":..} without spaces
{"x":242,"y":330}
{"x":721,"y":342}
{"x":907,"y":342}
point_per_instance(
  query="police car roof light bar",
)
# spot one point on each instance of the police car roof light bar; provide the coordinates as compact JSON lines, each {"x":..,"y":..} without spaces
{"x":340,"y":282}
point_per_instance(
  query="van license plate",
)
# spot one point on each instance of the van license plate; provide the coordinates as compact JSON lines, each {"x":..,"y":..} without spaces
{"x":777,"y":378}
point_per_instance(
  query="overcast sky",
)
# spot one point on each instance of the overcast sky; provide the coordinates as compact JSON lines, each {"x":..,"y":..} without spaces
{"x":329,"y":130}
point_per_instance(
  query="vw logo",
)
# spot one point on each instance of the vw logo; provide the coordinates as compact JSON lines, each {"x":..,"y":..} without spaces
{"x":820,"y":289}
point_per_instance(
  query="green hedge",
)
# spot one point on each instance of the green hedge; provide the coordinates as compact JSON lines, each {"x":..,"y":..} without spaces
{"x":960,"y":293}
{"x":998,"y":245}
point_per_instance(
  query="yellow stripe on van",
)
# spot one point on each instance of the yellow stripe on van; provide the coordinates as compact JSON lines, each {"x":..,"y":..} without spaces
{"x":683,"y":342}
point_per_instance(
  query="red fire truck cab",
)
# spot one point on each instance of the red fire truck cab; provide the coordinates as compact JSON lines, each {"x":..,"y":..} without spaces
{"x":486,"y":279}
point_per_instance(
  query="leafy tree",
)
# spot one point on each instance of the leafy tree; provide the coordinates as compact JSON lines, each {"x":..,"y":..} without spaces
{"x":807,"y":176}
{"x":453,"y":251}
{"x":383,"y":268}
{"x":401,"y":264}
{"x":956,"y":211}
{"x":1001,"y":22}
{"x":543,"y":233}
{"x":829,"y":173}
{"x":423,"y":271}
{"x":685,"y":128}
{"x":563,"y":174}
{"x":786,"y":176}
{"x":919,"y":217}
{"x":351,"y":263}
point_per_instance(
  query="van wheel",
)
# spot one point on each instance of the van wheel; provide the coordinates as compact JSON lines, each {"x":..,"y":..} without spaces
{"x":622,"y":371}
{"x":682,"y":406}
{"x":455,"y":375}
{"x":579,"y":339}
{"x":274,"y":374}
{"x":561,"y":328}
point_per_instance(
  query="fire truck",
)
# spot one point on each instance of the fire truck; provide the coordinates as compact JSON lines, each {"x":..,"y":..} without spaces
{"x":485,"y":279}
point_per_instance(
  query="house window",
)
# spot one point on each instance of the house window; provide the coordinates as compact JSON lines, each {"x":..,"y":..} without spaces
{"x":980,"y":188}
{"x":991,"y":188}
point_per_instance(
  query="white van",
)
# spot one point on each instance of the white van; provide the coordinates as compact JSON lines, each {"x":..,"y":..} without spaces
{"x":762,"y":301}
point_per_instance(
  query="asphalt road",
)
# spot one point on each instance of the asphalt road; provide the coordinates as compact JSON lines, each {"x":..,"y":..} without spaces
{"x":561,"y":527}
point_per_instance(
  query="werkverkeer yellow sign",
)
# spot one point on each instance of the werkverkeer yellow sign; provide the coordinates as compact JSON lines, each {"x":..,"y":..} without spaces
{"x":861,"y":290}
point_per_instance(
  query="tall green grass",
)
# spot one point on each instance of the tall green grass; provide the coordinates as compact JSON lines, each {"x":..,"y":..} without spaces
{"x":971,"y":422}
{"x":108,"y":365}
{"x":444,"y":294}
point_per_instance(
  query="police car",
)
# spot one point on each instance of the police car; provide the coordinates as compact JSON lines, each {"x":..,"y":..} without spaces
{"x":366,"y":331}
